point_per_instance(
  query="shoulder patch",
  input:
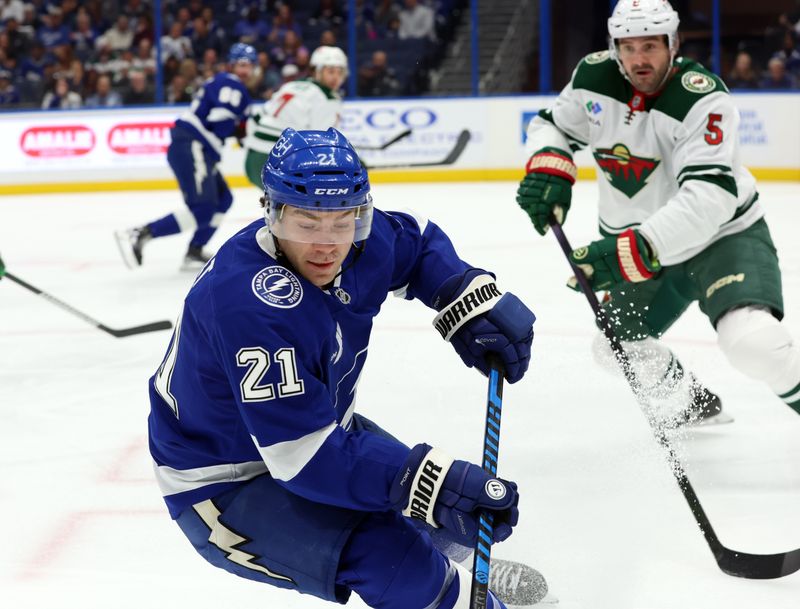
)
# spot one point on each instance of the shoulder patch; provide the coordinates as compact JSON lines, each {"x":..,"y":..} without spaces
{"x":597,"y":57}
{"x":278,"y":287}
{"x":697,"y":82}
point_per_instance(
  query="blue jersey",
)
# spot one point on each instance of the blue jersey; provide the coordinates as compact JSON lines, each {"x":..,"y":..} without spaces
{"x":218,"y":107}
{"x":261,"y":372}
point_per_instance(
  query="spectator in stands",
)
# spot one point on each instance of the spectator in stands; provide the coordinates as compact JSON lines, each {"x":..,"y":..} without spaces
{"x":175,"y":44}
{"x":83,"y":36}
{"x":790,"y":54}
{"x":69,"y":11}
{"x":145,"y":58}
{"x":101,"y":18}
{"x":178,"y":91}
{"x":377,"y":78}
{"x":53,"y":32}
{"x":145,"y":30}
{"x":288,"y":50}
{"x":392,"y":31}
{"x":209,"y":64}
{"x":120,"y":36}
{"x":743,"y":75}
{"x":104,"y":96}
{"x":328,"y":14}
{"x":303,"y":62}
{"x":60,"y":97}
{"x":18,"y":42}
{"x":386,"y":12}
{"x":252,"y":28}
{"x":195,"y":8}
{"x":185,"y":19}
{"x":32,"y":67}
{"x":9,"y":96}
{"x":136,"y":10}
{"x":191,"y":75}
{"x":269,"y":76}
{"x":365,"y":20}
{"x":417,"y":21}
{"x":283,"y":22}
{"x":776,"y":77}
{"x":327,"y":39}
{"x":67,"y":65}
{"x":791,"y":20}
{"x":31,"y":23}
{"x":171,"y":67}
{"x":12,"y":9}
{"x":138,"y":92}
{"x":202,"y":38}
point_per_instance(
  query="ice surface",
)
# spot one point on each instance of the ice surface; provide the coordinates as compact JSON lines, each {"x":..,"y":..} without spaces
{"x":602,"y":517}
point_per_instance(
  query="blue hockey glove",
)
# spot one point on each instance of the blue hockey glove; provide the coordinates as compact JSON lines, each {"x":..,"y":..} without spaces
{"x":477,"y":320}
{"x":451,"y":494}
{"x":613,"y":260}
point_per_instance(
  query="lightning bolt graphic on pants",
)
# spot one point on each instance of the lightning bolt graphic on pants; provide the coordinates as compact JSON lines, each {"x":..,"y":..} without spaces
{"x":227,"y":540}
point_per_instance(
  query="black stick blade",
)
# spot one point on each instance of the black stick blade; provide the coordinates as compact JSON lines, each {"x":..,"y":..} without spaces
{"x":143,"y":329}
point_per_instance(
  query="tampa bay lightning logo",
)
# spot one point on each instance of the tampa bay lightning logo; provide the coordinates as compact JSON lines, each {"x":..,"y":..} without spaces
{"x":278,"y":287}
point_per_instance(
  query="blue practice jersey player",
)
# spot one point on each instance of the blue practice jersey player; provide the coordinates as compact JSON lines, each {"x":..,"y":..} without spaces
{"x":258,"y":450}
{"x":217,"y":111}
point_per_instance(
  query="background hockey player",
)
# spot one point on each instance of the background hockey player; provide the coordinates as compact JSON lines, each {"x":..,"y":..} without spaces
{"x":195,"y":150}
{"x":679,"y":214}
{"x":259,"y":453}
{"x":311,"y":103}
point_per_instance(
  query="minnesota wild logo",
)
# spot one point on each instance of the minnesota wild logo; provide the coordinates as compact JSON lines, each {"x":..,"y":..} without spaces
{"x":627,"y":173}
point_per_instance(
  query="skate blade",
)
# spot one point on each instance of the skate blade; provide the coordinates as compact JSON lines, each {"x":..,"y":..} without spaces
{"x":125,"y":249}
{"x":721,"y":418}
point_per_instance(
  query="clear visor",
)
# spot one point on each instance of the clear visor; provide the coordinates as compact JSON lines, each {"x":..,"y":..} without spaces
{"x":314,"y":225}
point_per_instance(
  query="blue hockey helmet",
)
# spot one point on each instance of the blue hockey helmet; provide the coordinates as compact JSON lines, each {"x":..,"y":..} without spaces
{"x":241,"y":52}
{"x":316,"y":189}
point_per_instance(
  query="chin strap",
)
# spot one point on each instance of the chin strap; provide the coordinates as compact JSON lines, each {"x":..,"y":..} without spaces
{"x":358,"y":248}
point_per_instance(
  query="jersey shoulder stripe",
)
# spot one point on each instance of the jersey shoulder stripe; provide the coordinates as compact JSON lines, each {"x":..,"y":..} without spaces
{"x":689,"y":85}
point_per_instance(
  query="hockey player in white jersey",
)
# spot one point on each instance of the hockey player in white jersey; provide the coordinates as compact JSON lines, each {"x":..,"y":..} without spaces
{"x":311,"y":103}
{"x":678,"y":212}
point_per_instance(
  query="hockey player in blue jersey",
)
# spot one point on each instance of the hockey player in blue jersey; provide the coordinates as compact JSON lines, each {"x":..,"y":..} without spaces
{"x":257,"y":448}
{"x":217,"y":111}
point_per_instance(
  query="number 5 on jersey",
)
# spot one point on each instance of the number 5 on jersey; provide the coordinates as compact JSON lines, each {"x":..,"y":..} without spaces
{"x":714,"y":134}
{"x":257,"y":360}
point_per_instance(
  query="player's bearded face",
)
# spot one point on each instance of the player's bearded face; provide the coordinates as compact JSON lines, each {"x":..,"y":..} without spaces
{"x":646,"y":61}
{"x":316,"y":243}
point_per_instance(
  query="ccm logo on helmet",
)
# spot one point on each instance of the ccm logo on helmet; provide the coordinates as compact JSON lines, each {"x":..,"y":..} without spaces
{"x":331,"y":191}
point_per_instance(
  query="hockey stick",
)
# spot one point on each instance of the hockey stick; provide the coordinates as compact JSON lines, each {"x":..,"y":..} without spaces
{"x":491,"y":444}
{"x":452,"y":156}
{"x":153,"y":327}
{"x":386,"y":144}
{"x":732,"y":562}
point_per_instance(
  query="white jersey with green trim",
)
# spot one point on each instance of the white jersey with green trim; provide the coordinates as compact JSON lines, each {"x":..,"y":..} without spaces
{"x":299,"y":104}
{"x":668,"y":164}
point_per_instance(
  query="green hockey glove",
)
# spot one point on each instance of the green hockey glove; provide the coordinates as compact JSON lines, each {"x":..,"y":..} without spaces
{"x":546,"y":190}
{"x":614,"y":260}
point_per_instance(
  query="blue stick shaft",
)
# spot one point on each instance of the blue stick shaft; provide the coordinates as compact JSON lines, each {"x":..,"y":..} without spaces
{"x":491,"y":445}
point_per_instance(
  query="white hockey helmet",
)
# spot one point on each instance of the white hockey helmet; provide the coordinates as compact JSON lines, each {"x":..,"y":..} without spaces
{"x":329,"y":56}
{"x":633,"y":18}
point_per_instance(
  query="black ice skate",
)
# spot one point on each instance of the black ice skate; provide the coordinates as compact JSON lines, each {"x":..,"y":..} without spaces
{"x":706,"y":407}
{"x":131,"y":242}
{"x":195,"y":259}
{"x":518,"y":585}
